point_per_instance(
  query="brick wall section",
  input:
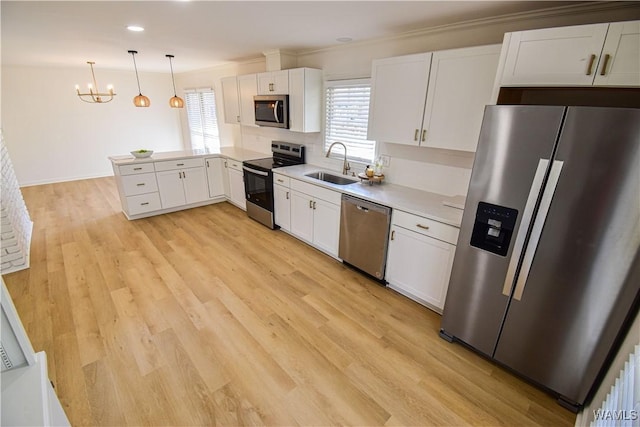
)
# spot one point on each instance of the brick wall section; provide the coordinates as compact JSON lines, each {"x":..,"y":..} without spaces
{"x":15,"y":223}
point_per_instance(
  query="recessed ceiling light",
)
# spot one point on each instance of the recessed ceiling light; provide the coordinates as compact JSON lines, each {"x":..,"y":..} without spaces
{"x":136,"y":28}
{"x":344,"y":39}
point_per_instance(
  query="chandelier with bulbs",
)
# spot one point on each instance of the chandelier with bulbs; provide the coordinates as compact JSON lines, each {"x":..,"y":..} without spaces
{"x":94,"y":96}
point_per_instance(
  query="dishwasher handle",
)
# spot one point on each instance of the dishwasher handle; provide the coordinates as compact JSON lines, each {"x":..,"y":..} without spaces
{"x":365,"y":206}
{"x":362,"y":208}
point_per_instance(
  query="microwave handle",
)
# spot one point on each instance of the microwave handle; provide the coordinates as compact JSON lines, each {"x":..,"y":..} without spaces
{"x":275,"y":112}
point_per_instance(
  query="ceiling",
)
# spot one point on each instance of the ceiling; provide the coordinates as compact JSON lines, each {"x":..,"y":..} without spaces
{"x":203,"y":34}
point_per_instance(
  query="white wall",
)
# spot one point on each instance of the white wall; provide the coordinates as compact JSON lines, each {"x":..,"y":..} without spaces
{"x":53,"y":136}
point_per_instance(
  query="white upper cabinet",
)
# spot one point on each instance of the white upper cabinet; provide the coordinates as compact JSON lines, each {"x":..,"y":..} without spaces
{"x":460,"y":85}
{"x":247,"y":89}
{"x":620,"y":61}
{"x":433,"y":99}
{"x":398,"y":90}
{"x":582,"y":55}
{"x":305,"y":100}
{"x":273,"y":83}
{"x":230,"y":100}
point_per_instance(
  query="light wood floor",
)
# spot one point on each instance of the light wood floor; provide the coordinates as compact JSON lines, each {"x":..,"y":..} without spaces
{"x":205,"y":317}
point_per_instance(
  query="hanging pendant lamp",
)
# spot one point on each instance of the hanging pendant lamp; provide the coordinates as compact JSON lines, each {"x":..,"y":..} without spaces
{"x":175,"y":101}
{"x":140,"y":100}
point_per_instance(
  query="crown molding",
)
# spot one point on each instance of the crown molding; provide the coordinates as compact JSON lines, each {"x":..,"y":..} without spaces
{"x":582,"y":8}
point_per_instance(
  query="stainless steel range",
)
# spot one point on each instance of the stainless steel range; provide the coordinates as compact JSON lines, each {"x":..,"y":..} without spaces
{"x":258,"y":179}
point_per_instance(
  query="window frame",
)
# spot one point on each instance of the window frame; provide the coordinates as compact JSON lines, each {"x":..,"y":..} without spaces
{"x":339,"y":154}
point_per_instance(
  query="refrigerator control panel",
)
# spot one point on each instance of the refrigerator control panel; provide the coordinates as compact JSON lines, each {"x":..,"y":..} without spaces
{"x":493,"y":228}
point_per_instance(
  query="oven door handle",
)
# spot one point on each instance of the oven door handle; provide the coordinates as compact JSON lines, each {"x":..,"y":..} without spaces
{"x":257,"y":172}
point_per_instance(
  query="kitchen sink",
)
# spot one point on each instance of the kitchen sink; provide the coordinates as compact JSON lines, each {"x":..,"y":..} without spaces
{"x":334,"y":179}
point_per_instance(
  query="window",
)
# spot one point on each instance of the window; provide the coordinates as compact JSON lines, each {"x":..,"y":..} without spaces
{"x":203,"y":123}
{"x":347,"y":116}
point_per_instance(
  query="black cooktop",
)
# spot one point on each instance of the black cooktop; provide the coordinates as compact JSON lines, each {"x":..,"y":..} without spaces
{"x":284,"y":154}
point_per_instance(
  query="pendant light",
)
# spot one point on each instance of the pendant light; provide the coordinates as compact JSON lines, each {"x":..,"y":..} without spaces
{"x":94,"y":96}
{"x":175,"y":101}
{"x":140,"y":100}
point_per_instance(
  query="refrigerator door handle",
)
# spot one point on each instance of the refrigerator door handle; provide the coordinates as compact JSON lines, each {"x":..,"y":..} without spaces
{"x":541,"y":217}
{"x":527,"y":217}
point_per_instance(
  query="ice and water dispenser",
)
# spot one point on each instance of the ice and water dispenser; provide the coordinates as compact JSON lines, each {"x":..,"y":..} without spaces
{"x":493,"y":228}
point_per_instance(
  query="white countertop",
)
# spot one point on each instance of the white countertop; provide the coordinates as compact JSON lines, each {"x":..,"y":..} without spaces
{"x":418,"y":202}
{"x":229,"y":152}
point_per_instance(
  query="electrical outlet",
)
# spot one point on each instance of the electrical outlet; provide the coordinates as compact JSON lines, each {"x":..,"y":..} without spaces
{"x":385,"y":160}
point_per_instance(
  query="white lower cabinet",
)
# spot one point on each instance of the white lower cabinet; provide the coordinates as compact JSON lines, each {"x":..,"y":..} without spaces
{"x":236,"y":184}
{"x":418,"y":261}
{"x":315,"y":216}
{"x":215,"y":176}
{"x":182,"y":187}
{"x":282,"y":202}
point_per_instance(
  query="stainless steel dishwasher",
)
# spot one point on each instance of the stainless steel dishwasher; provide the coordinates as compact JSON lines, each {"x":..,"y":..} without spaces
{"x":364,"y":234}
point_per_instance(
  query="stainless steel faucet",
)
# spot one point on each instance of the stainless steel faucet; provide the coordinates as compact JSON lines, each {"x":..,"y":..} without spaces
{"x":345,"y":165}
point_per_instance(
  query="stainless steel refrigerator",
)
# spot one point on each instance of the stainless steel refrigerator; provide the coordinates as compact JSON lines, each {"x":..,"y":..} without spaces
{"x":547,"y":268}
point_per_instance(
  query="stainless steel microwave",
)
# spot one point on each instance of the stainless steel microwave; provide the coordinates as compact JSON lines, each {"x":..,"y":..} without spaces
{"x":272,"y":110}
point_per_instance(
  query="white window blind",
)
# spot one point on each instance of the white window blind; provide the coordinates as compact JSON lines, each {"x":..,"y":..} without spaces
{"x":347,"y":116}
{"x":201,"y":114}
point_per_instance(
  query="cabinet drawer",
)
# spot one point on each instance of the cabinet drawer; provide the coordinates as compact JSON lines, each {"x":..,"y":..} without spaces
{"x":317,"y":192}
{"x":278,"y":179}
{"x":143,"y":203}
{"x":136,"y":168}
{"x":427,"y":227}
{"x":179,"y":164}
{"x":139,"y":184}
{"x":234,"y":164}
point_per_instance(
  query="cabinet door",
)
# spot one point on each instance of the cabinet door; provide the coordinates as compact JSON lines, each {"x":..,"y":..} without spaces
{"x":305,"y":100}
{"x":419,"y":266}
{"x":302,"y":216}
{"x":274,"y":83}
{"x":236,"y":188}
{"x":247,"y":88}
{"x":398,"y":91}
{"x":195,"y":185}
{"x":171,"y":188}
{"x":231,"y":100}
{"x":282,"y":206}
{"x":215,"y":176}
{"x":326,"y":226}
{"x":554,"y":56}
{"x":620,"y":61}
{"x":460,"y":85}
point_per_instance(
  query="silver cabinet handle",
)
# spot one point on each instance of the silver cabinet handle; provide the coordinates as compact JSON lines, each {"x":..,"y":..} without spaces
{"x":137,"y":169}
{"x":592,"y":59}
{"x":280,"y":180}
{"x":393,"y":234}
{"x":144,"y":203}
{"x":179,"y":164}
{"x":140,"y":184}
{"x":287,"y":195}
{"x":527,"y":216}
{"x":225,"y":164}
{"x":415,"y":135}
{"x":424,"y":135}
{"x":314,"y":206}
{"x":310,"y":204}
{"x":424,"y":227}
{"x":207,"y":163}
{"x":536,"y":231}
{"x":603,"y":71}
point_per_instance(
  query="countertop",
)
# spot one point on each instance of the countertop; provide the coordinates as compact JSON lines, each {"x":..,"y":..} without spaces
{"x":417,"y":202}
{"x":229,"y":152}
